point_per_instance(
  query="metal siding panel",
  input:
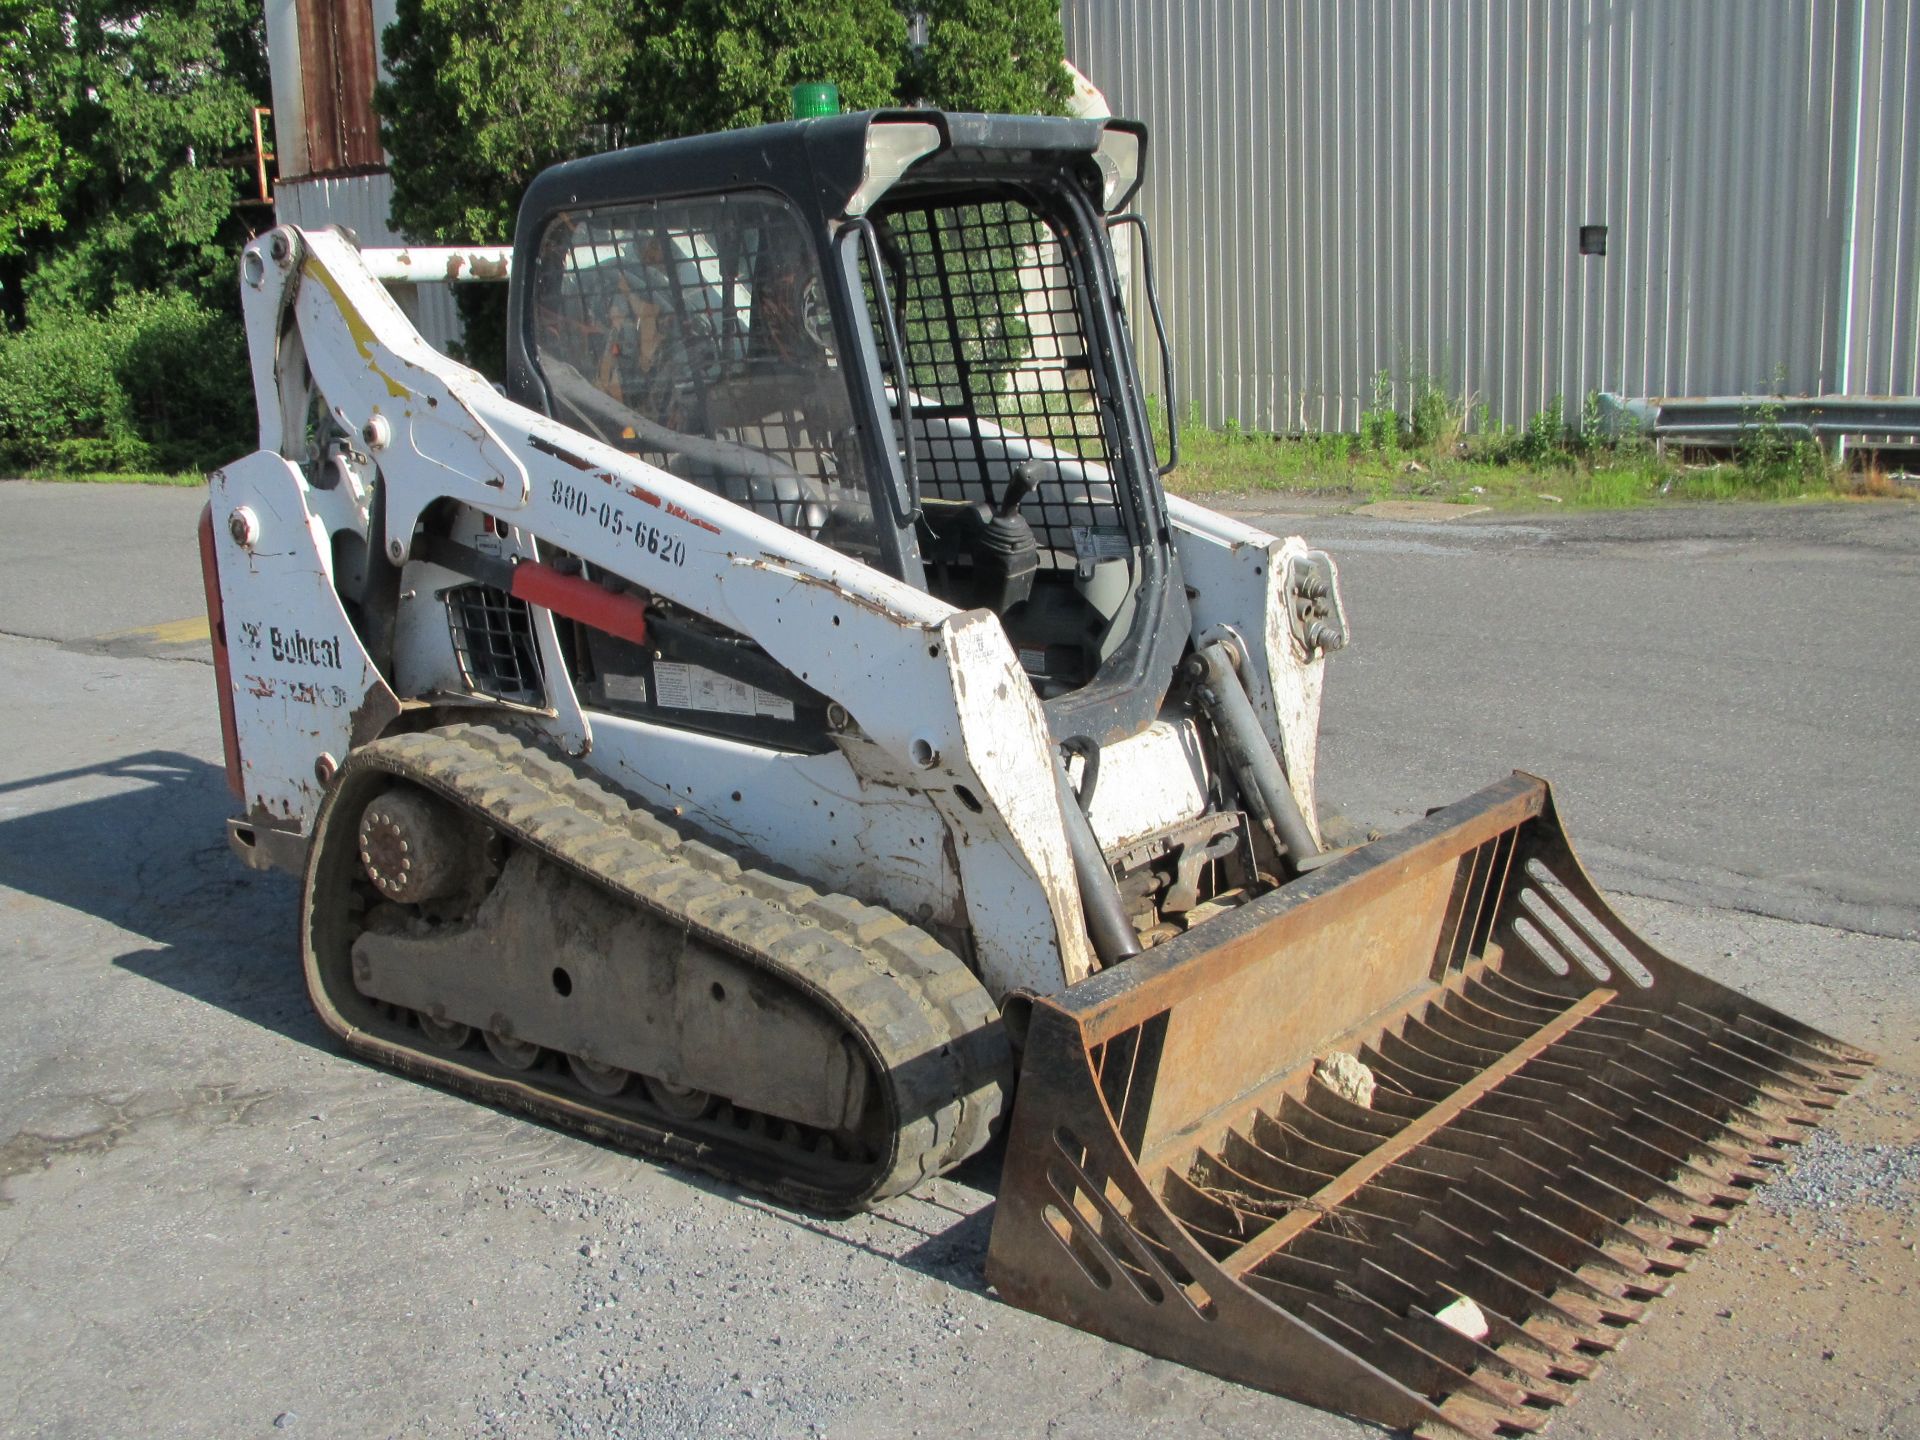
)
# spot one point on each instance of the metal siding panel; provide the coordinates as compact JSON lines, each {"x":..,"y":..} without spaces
{"x":1885,"y":297}
{"x":1604,"y":201}
{"x":1461,"y":201}
{"x":1198,"y":361}
{"x":1730,"y":301}
{"x":1259,"y":291}
{"x":1338,"y":188}
{"x":1304,"y":223}
{"x":1517,"y":197}
{"x":1586,"y":136}
{"x":1403,"y":248}
{"x":1882,"y":221}
{"x":1828,"y":282}
{"x":1638,"y":221}
{"x":1693,"y":144}
{"x":1323,"y":311}
{"x":1541,"y":85}
{"x":1664,"y":182}
{"x":1344,"y":167}
{"x":1863,"y":82}
{"x":1798,"y":281}
{"x":1872,"y":276}
{"x":1223,"y":128}
{"x":1782,"y":194}
{"x":1346,"y":352}
{"x":1239,"y":108}
{"x":1466,"y":159}
{"x":1900,"y":177}
{"x":1560,"y":282}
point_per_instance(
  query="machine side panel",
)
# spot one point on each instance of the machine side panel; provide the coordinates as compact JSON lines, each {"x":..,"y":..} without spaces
{"x":811,"y":814}
{"x":303,"y":688}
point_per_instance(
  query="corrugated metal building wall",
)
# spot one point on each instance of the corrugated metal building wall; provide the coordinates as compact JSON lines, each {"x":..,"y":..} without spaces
{"x":1341,"y":187}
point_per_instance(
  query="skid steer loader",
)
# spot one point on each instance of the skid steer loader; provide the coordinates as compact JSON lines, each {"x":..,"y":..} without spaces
{"x":788,"y":730}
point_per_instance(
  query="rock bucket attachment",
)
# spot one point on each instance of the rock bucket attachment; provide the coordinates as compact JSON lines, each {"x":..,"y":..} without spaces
{"x":1561,"y":1117}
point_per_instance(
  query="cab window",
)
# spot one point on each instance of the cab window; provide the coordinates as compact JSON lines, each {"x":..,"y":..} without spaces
{"x":696,"y":334}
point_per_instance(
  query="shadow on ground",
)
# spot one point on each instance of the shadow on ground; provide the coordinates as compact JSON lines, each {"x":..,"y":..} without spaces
{"x":149,"y":856}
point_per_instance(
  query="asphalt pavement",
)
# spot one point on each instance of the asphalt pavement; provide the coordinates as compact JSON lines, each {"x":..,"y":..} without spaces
{"x":211,"y":1223}
{"x":1726,"y":698}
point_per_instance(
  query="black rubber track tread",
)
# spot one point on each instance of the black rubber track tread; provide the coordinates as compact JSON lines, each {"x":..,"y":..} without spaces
{"x":909,"y":998}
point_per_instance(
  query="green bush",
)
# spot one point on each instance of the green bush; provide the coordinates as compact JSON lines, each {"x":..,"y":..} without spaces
{"x":157,"y":382}
{"x":1436,"y":419}
{"x":62,"y":406}
{"x":186,"y":375}
{"x":1380,"y":422}
{"x":1545,"y":440}
{"x":1770,"y":458}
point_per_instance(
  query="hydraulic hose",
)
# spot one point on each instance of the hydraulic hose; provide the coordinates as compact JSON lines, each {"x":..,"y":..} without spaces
{"x":1108,"y":928}
{"x":1249,"y":754}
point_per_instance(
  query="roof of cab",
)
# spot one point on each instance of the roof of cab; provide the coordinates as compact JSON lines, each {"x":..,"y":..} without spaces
{"x":818,"y":163}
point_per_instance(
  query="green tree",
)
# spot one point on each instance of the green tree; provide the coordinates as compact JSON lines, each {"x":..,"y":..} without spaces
{"x":38,"y":169}
{"x":151,"y":382}
{"x":174,"y":85}
{"x":487,"y":93}
{"x":708,"y":65}
{"x":997,"y":56}
{"x":484,"y":96}
{"x":124,"y":134}
{"x":123,"y":128}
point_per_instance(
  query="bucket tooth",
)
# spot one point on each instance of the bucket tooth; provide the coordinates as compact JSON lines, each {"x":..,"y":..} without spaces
{"x":1562,"y":1117}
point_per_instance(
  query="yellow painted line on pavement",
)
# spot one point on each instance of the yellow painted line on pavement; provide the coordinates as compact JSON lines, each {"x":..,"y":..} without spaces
{"x":167,"y":632}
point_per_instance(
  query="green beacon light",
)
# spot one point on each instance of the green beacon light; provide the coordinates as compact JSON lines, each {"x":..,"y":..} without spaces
{"x":814,"y":98}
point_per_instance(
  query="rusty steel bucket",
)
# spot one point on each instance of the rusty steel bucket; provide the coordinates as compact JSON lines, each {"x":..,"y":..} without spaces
{"x":1561,"y":1117}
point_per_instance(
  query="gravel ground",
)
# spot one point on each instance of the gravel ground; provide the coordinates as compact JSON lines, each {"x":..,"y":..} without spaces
{"x":1829,"y":1174}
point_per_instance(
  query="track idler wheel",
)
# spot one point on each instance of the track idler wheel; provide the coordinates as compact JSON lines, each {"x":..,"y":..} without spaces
{"x":512,"y":1053}
{"x":682,"y":1102}
{"x":447,"y":1034}
{"x":603,"y":1080}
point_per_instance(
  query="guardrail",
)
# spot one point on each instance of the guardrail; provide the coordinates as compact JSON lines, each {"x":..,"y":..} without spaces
{"x":1830,"y":420}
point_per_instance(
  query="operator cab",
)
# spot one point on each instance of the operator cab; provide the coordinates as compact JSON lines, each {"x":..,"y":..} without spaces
{"x":897,"y":333}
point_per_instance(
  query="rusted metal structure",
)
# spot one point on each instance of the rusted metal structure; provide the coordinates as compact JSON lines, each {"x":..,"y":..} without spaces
{"x":325,"y":59}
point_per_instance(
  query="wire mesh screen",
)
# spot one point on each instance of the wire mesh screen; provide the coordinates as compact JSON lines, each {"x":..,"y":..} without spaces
{"x":697,"y":335}
{"x":999,"y":364}
{"x":493,"y":639}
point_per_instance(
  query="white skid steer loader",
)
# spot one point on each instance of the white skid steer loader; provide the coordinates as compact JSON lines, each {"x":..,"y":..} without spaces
{"x":788,"y":730}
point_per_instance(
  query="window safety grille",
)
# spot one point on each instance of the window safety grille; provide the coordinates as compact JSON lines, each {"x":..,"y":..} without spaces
{"x":999,"y":367}
{"x":493,"y":639}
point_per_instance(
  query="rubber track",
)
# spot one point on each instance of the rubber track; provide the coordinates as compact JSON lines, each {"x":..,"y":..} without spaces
{"x":909,"y":996}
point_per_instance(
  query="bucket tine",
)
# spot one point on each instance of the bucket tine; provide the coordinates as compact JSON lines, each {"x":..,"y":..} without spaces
{"x":1561,"y":1116}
